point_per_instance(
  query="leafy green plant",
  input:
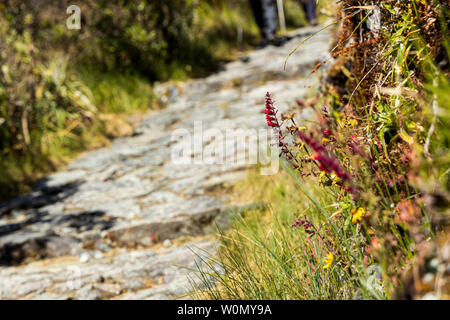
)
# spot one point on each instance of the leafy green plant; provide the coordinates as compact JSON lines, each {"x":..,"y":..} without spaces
{"x":42,"y":107}
{"x":375,"y":157}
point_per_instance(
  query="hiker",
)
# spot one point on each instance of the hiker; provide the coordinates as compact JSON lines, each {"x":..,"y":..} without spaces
{"x":265,"y":13}
{"x":310,"y":10}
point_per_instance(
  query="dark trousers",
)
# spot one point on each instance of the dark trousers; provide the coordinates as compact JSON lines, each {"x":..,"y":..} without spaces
{"x":310,"y":9}
{"x":266,"y":17}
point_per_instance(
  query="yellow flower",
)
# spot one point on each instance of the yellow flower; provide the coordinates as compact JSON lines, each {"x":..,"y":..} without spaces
{"x":357,"y":215}
{"x":328,"y":260}
{"x":291,"y":116}
{"x":334,"y":178}
{"x":352,"y":122}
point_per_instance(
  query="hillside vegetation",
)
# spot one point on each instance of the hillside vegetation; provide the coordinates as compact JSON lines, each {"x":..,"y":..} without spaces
{"x":362,"y":208}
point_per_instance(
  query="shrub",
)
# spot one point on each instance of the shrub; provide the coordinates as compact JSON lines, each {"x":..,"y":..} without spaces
{"x":41,"y":105}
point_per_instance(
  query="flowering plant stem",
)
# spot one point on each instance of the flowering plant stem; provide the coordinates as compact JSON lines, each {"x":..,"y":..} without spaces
{"x":322,"y":210}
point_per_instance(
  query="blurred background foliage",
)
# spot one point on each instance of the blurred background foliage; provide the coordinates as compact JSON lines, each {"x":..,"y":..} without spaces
{"x":55,"y":83}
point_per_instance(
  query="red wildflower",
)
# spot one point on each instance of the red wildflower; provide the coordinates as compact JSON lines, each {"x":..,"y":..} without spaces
{"x":326,"y":163}
{"x":309,"y":228}
{"x":272,"y":121}
{"x":270,"y":112}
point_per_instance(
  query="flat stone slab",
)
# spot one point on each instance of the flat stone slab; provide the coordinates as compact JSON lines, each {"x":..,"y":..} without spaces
{"x":122,"y":274}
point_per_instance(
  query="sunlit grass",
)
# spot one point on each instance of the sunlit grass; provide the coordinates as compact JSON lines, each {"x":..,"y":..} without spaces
{"x":117,"y":92}
{"x":263,"y":257}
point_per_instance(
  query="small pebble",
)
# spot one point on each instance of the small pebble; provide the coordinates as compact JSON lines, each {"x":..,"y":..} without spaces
{"x":84,"y":257}
{"x":98,"y":255}
{"x":167,"y":243}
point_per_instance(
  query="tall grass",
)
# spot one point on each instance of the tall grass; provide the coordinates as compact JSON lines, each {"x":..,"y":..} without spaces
{"x":263,"y":257}
{"x":118,"y":91}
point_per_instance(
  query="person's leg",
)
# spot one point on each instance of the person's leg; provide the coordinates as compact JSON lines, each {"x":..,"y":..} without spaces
{"x":310,"y":9}
{"x":305,"y":8}
{"x":257,"y":9}
{"x":270,"y":19}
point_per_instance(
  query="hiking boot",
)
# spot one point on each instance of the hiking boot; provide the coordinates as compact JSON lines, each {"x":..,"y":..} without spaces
{"x":313,"y":22}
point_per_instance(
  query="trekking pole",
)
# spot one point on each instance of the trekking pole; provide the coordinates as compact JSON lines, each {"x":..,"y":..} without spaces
{"x":281,"y":16}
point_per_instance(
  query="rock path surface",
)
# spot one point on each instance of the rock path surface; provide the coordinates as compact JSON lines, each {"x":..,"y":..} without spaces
{"x":107,"y":226}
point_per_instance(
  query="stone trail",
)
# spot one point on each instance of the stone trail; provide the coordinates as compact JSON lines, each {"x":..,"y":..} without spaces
{"x":107,"y":226}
